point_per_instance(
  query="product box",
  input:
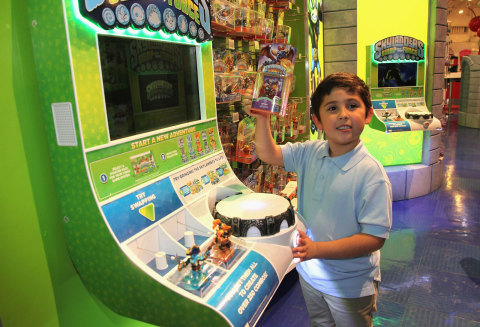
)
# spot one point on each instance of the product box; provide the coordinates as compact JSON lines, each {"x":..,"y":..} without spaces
{"x":228,"y":88}
{"x":263,"y":28}
{"x":282,"y":34}
{"x":224,"y":61}
{"x":271,"y":94}
{"x":223,"y":13}
{"x":244,"y":19}
{"x":245,"y":149}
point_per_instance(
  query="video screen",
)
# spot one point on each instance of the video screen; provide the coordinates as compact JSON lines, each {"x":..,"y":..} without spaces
{"x":397,"y":74}
{"x":148,"y":84}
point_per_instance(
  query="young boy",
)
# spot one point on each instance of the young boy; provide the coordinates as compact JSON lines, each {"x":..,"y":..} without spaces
{"x":345,"y":197}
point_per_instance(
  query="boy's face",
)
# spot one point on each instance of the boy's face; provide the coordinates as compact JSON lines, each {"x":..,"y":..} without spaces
{"x":342,"y":118}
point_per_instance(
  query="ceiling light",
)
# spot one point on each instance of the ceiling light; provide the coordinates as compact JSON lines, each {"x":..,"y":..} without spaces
{"x":460,"y":11}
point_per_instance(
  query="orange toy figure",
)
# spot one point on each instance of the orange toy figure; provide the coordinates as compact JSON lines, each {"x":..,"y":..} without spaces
{"x":221,"y":247}
{"x":223,"y":234}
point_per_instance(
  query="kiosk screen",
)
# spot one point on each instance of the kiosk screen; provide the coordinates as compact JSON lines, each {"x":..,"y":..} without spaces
{"x":397,"y":74}
{"x":147,"y":84}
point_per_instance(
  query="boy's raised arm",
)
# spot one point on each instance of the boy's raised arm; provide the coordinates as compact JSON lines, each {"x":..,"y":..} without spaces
{"x":265,"y":146}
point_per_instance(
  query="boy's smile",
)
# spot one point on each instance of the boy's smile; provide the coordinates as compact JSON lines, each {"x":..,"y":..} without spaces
{"x":342,"y":118}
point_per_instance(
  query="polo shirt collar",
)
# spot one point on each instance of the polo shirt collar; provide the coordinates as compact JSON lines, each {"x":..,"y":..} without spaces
{"x":349,"y":159}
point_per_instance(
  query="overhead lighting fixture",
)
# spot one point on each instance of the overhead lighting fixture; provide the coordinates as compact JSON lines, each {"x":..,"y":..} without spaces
{"x":460,"y":11}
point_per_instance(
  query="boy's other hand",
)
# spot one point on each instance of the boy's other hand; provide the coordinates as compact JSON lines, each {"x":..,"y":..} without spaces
{"x":306,"y":248}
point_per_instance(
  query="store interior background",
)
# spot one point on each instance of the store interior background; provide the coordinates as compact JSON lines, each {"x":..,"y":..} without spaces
{"x":460,"y":37}
{"x":43,"y":286}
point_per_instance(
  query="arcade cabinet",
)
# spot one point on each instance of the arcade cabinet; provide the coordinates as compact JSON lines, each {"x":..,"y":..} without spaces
{"x":128,"y":95}
{"x":396,"y":75}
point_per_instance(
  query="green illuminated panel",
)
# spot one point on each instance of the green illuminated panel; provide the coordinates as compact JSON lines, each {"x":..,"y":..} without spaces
{"x":393,"y":149}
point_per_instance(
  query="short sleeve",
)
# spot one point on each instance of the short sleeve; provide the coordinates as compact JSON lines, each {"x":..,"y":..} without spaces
{"x":288,"y":153}
{"x":375,"y":213}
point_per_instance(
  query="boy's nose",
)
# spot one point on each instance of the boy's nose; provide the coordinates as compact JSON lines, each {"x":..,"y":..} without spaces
{"x":342,"y":112}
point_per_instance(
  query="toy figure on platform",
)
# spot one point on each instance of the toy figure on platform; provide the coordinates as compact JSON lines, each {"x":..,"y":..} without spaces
{"x":194,"y":258}
{"x":387,"y":116}
{"x":222,"y":240}
{"x":196,"y":278}
{"x":221,"y":247}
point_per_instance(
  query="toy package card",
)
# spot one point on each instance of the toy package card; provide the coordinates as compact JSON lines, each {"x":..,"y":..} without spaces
{"x":224,"y":61}
{"x":248,"y":82}
{"x":228,"y":88}
{"x":242,"y":61}
{"x":277,"y":58}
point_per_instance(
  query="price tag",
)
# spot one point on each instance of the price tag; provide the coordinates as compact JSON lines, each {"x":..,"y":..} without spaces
{"x":231,"y":44}
{"x":257,"y":45}
{"x":235,"y":117}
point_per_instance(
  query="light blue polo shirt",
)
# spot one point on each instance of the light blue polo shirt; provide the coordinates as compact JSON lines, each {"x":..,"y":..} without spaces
{"x":340,"y":197}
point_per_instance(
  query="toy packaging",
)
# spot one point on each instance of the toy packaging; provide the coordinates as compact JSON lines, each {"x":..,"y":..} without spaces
{"x":228,"y":135}
{"x":282,"y":34}
{"x":242,"y":61}
{"x":248,"y":82}
{"x":223,"y":13}
{"x":142,"y":164}
{"x":271,"y":94}
{"x":245,"y":150}
{"x":228,"y":88}
{"x":263,"y":28}
{"x":244,"y":18}
{"x":224,"y":61}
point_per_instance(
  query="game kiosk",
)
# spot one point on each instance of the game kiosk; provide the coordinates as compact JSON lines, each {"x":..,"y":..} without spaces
{"x":396,"y":76}
{"x":395,"y":73}
{"x":145,"y":188}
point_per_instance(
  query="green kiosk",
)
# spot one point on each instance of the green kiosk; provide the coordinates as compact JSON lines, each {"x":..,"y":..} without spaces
{"x":395,"y":72}
{"x":128,"y":92}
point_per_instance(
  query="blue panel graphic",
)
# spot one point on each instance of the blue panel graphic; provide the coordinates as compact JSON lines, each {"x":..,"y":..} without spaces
{"x":384,"y":104}
{"x":124,"y":217}
{"x":398,"y":126}
{"x":247,"y":290}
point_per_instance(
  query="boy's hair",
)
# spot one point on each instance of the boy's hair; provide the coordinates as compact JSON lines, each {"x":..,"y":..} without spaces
{"x":347,"y":81}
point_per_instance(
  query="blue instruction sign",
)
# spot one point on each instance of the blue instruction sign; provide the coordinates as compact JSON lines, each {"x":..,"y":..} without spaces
{"x":246,"y":292}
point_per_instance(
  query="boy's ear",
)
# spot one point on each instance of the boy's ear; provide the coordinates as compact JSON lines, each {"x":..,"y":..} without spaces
{"x":317,"y":122}
{"x":369,"y":116}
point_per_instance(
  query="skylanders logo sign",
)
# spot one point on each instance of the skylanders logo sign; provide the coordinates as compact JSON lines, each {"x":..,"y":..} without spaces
{"x":185,"y":17}
{"x":399,"y":48}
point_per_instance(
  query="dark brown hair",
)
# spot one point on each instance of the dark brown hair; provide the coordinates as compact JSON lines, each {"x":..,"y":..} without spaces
{"x":351,"y":83}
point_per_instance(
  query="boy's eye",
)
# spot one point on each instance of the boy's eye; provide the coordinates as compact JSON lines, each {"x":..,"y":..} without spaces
{"x":353,"y":105}
{"x":331,"y":108}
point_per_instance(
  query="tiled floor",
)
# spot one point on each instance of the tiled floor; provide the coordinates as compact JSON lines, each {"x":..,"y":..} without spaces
{"x":431,"y":263}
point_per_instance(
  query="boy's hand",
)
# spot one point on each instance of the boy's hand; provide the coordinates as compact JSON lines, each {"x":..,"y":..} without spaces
{"x":306,"y":248}
{"x":257,"y":114}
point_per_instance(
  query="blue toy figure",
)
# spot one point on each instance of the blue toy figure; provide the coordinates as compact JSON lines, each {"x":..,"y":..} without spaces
{"x":196,"y":278}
